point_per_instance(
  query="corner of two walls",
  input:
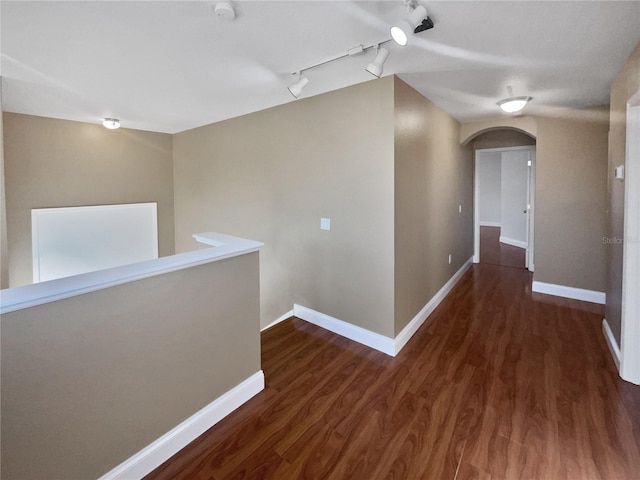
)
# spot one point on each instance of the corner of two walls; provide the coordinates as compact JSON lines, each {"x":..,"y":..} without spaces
{"x":271,"y":175}
{"x":378,"y":158}
{"x":433,"y":176}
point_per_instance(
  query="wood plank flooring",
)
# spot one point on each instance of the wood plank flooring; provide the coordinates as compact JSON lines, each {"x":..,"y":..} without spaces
{"x":499,"y":383}
{"x":496,"y":253}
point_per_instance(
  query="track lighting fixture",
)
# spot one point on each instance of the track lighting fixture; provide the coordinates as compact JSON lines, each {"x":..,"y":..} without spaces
{"x":297,"y":87}
{"x":111,"y":123}
{"x":375,"y":67}
{"x":417,"y":21}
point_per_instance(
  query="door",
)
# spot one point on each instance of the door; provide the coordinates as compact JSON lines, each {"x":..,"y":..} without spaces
{"x":504,"y":196}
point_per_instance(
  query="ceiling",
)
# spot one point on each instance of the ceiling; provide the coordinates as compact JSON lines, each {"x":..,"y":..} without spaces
{"x":171,"y":66}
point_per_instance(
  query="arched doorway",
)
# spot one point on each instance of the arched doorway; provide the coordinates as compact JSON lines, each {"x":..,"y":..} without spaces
{"x":504,"y":196}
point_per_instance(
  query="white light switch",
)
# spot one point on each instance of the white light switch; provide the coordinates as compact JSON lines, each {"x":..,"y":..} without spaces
{"x":459,"y":208}
{"x":325,"y":224}
{"x":619,"y":172}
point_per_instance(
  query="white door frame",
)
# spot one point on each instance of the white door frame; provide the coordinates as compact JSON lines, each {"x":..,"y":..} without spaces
{"x":531,"y":202}
{"x":630,"y":321}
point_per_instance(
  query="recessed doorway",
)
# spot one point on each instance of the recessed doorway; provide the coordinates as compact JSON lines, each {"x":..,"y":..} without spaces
{"x":504,"y":206}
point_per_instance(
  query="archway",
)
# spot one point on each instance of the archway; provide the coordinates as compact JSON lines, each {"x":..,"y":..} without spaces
{"x":504,"y":190}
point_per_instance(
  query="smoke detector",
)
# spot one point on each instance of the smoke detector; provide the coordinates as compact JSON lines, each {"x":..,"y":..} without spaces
{"x":224,"y":10}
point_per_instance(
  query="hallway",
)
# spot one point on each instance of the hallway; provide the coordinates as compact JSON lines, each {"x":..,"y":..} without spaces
{"x":499,"y":383}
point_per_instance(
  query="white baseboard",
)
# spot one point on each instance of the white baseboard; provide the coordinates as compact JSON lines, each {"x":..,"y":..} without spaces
{"x":490,"y":224}
{"x":352,"y":332}
{"x":282,"y":318}
{"x":156,"y":453}
{"x":513,"y":242}
{"x":375,"y":340}
{"x":611,"y":343}
{"x":569,"y":292}
{"x":412,"y":327}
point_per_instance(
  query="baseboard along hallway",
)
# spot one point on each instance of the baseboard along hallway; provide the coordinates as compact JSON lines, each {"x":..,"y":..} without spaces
{"x":498,"y":383}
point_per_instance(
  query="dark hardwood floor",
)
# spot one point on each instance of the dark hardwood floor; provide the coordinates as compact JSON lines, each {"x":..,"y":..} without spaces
{"x":499,"y":383}
{"x":496,"y":253}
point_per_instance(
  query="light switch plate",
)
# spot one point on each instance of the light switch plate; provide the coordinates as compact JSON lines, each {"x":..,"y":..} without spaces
{"x":325,"y":224}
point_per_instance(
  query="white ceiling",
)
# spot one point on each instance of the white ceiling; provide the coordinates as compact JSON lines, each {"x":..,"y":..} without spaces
{"x":171,"y":66}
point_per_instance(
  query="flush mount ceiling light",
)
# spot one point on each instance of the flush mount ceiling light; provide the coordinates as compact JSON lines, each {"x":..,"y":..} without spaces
{"x":513,"y":104}
{"x":296,"y":88}
{"x":375,"y":67}
{"x":111,"y":123}
{"x":417,"y":21}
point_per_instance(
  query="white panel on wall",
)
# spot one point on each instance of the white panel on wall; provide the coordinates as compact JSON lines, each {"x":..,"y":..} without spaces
{"x":73,"y":240}
{"x":489,"y":198}
{"x":515,"y":175}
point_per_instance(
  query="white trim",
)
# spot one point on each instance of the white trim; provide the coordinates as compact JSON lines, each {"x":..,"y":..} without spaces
{"x":513,"y":242}
{"x":630,"y":304}
{"x":611,"y":342}
{"x":476,"y":214}
{"x":532,"y":210}
{"x":505,"y":149}
{"x":17,"y":298}
{"x":490,"y":224}
{"x":476,"y":211}
{"x":282,"y":318}
{"x":375,"y":340}
{"x":156,"y":453}
{"x":352,"y":332}
{"x":569,"y":292}
{"x":412,"y":327}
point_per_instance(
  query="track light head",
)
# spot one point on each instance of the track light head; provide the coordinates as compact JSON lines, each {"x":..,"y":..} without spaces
{"x":402,"y":30}
{"x":297,"y":87}
{"x":375,"y":67}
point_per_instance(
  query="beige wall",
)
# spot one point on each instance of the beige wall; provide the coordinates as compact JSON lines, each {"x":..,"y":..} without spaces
{"x":433,"y":175}
{"x":502,"y":138}
{"x":60,"y":163}
{"x":570,"y":218}
{"x":4,"y":256}
{"x":272,"y":175}
{"x":525,"y":123}
{"x":624,"y":87}
{"x":4,"y":266}
{"x":89,"y":381}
